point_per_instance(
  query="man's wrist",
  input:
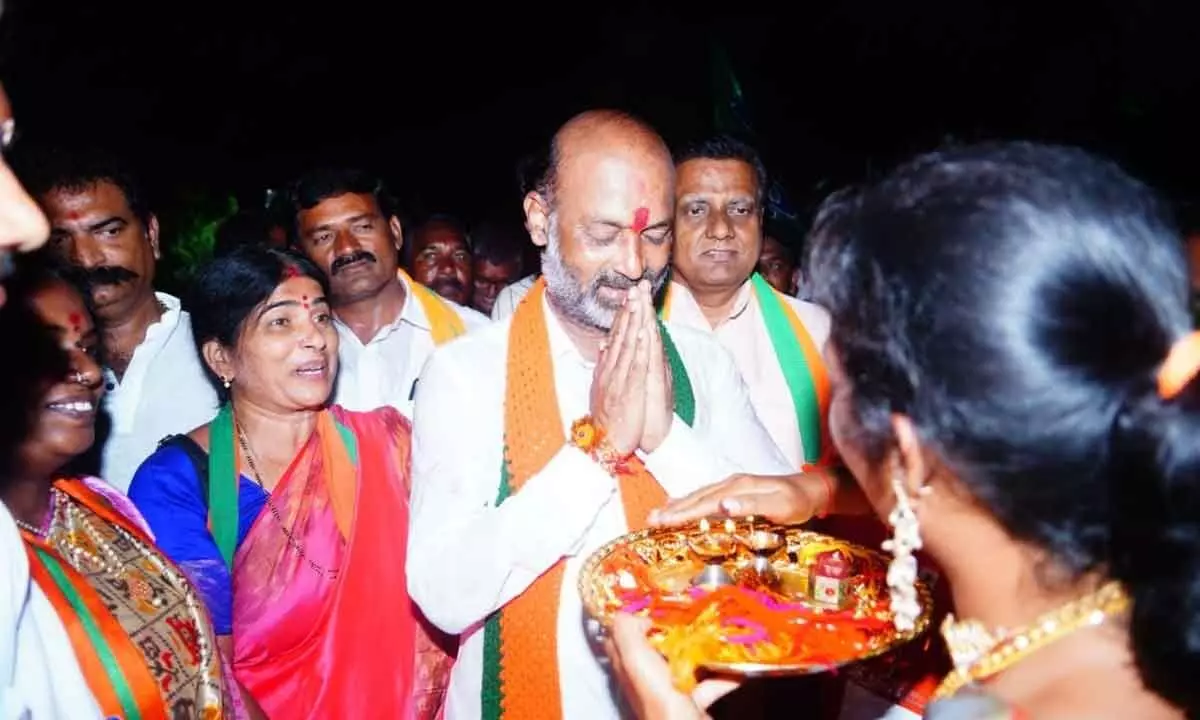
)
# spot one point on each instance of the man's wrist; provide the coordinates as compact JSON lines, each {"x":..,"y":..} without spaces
{"x":590,"y":437}
{"x":820,"y":485}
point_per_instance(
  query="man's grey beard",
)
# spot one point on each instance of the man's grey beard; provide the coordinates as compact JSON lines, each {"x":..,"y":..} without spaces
{"x":582,"y":304}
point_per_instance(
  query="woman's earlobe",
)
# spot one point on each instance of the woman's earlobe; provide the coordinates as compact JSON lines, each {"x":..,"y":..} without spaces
{"x":217,"y":359}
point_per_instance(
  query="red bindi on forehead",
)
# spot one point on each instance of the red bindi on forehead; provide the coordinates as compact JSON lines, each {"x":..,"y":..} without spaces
{"x":641,"y":218}
{"x":76,"y":320}
{"x":291,"y":271}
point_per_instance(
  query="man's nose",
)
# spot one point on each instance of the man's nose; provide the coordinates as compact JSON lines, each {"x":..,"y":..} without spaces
{"x":345,"y":243}
{"x":446,"y":267}
{"x":84,"y":251}
{"x":719,"y":227}
{"x":630,"y":262}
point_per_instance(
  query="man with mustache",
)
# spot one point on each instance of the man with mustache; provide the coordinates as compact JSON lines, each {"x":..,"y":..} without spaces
{"x":775,"y":339}
{"x":39,"y":674}
{"x":440,"y":258}
{"x":101,"y":222}
{"x":540,"y":438}
{"x":387,"y":322}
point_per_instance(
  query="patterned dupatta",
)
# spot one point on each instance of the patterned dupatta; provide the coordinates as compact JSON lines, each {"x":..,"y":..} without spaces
{"x":308,"y":626}
{"x":520,"y":676}
{"x":138,"y":628}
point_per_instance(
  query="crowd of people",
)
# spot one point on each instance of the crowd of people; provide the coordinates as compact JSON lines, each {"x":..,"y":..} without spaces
{"x":356,"y":470}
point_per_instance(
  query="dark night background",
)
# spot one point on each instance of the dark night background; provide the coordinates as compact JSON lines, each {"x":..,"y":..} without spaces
{"x":219,"y":98}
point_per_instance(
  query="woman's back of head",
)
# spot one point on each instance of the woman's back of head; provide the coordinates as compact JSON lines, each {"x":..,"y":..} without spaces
{"x":1016,"y":301}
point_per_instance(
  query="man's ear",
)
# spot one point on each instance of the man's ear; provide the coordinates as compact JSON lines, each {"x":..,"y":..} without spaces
{"x":397,"y":233}
{"x":537,"y":218}
{"x":152,"y":236}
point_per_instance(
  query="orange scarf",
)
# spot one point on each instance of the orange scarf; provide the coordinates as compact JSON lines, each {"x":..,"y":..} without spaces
{"x":520,"y":647}
{"x":444,"y":323}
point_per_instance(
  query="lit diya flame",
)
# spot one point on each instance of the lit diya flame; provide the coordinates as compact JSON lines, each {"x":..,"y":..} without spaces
{"x":730,"y":525}
{"x":714,"y":544}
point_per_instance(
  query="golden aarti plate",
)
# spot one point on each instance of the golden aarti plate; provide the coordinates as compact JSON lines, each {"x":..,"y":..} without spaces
{"x":748,"y":598}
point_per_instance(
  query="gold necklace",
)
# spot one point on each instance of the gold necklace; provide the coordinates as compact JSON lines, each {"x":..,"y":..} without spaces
{"x":296,"y":545}
{"x":979,"y":654}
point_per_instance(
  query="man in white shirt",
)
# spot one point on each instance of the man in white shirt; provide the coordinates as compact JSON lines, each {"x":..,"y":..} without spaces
{"x":510,"y":297}
{"x":39,"y":675}
{"x":156,"y":385}
{"x":439,"y":255}
{"x":589,"y":410}
{"x":719,"y":193}
{"x":776,"y":340}
{"x":498,"y":253}
{"x":387,"y":323}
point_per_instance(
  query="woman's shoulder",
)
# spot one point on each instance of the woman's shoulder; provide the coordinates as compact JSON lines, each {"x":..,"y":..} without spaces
{"x":381,"y":417}
{"x":172,"y":467}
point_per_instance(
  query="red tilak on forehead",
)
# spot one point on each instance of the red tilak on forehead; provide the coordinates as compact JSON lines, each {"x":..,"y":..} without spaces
{"x":74,"y":216}
{"x":76,"y":320}
{"x":641,"y":218}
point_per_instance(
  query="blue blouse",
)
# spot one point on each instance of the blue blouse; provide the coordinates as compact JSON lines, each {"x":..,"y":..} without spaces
{"x":169,"y":495}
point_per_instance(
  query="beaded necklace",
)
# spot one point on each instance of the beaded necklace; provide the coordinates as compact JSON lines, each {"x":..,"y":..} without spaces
{"x":980,"y":654}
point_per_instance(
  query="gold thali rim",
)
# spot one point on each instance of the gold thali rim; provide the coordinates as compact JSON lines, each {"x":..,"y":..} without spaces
{"x":591,"y":604}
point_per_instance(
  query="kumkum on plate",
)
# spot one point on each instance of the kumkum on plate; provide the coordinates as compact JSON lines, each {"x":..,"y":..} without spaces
{"x":748,"y":598}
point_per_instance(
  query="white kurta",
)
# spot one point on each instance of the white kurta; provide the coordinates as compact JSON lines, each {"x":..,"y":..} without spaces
{"x":39,"y":675}
{"x":744,"y":335}
{"x":383,"y":371}
{"x":164,"y":391}
{"x":468,"y":558}
{"x":510,"y":297}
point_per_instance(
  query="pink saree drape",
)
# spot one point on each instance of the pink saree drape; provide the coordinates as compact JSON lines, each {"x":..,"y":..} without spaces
{"x":322,"y":623}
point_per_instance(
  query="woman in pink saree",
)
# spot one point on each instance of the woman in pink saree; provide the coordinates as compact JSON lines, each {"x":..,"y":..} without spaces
{"x":292,"y":515}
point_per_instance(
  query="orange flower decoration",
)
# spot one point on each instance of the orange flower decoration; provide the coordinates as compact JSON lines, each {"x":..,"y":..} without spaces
{"x":585,"y":434}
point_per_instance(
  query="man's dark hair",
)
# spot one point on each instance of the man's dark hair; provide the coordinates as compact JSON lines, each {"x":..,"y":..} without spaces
{"x":498,"y":244}
{"x":726,"y":147}
{"x":540,"y":173}
{"x":47,"y":168}
{"x":443,"y":219}
{"x":316,"y":186}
